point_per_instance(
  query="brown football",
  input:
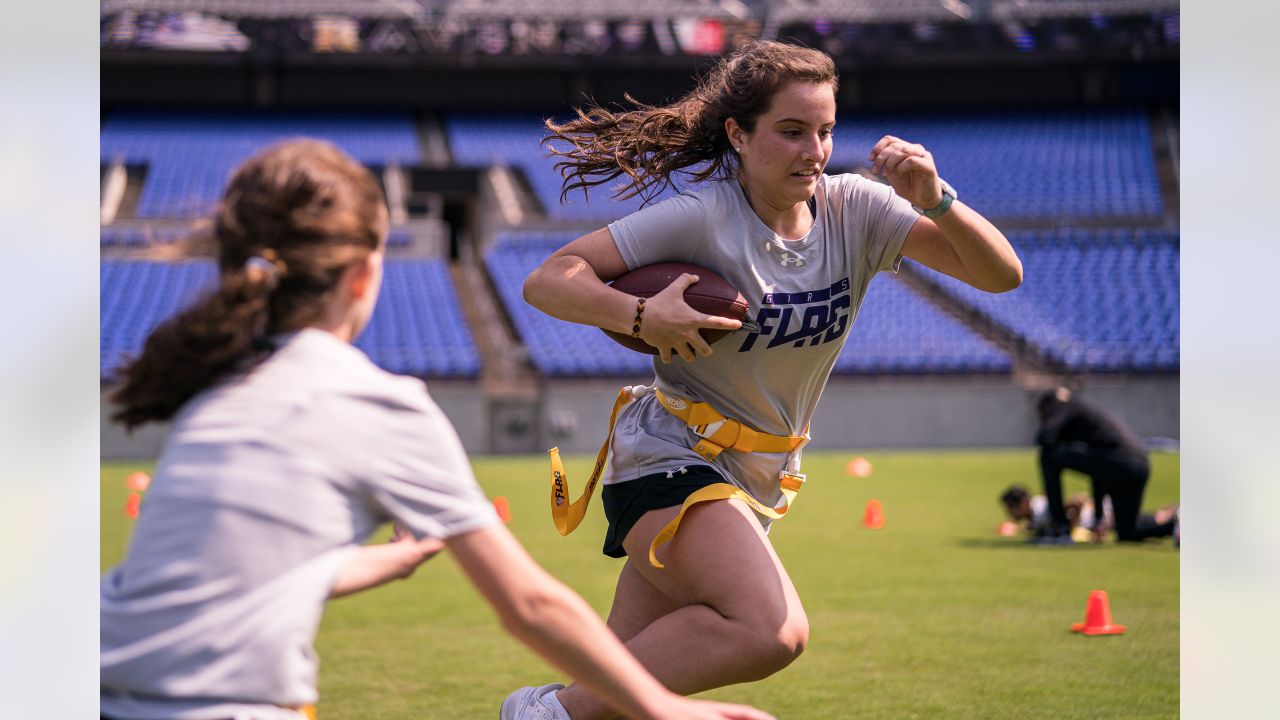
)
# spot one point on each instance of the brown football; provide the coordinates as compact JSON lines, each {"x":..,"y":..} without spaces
{"x":712,"y":295}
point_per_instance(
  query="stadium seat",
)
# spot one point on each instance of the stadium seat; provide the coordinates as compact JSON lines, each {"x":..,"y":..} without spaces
{"x":190,"y":156}
{"x":417,"y":328}
{"x":516,"y":141}
{"x":1059,"y":164}
{"x":1096,"y":300}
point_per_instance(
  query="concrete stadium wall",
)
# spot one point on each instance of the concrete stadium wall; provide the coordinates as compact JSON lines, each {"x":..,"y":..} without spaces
{"x":889,"y":412}
{"x":461,"y":401}
{"x":855,"y":413}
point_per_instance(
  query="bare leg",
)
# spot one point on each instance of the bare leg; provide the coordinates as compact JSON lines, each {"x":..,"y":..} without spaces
{"x":636,"y":604}
{"x":737,"y":616}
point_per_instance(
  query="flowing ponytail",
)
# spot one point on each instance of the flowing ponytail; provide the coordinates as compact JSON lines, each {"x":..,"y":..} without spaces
{"x":650,"y":144}
{"x":292,"y":220}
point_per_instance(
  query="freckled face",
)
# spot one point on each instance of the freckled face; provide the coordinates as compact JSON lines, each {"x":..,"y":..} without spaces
{"x":791,"y":144}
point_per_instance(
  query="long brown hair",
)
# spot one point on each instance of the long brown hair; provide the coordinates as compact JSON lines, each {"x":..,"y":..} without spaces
{"x":649,"y":144}
{"x":291,"y":220}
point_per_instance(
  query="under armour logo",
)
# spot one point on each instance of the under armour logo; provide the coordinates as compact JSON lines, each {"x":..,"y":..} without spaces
{"x":790,"y":260}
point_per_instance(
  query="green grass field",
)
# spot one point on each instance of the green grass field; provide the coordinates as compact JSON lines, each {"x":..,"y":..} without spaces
{"x":933,"y":616}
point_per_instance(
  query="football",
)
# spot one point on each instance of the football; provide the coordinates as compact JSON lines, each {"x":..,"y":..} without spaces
{"x":712,"y":295}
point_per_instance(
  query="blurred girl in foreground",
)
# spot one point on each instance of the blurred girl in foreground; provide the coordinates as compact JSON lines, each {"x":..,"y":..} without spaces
{"x":288,"y":449}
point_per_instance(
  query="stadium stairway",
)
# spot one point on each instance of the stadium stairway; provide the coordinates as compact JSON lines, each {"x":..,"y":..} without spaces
{"x":1031,"y":367}
{"x":508,"y":381}
{"x":434,"y":143}
{"x":504,"y":201}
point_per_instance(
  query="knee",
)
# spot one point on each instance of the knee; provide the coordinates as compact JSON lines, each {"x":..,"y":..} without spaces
{"x":793,"y":637}
{"x":777,"y":647}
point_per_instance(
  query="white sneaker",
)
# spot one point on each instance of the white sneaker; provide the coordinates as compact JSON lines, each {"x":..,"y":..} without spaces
{"x":534,"y":703}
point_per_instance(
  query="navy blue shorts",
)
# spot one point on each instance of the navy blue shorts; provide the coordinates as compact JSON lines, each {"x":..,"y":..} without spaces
{"x":626,"y":502}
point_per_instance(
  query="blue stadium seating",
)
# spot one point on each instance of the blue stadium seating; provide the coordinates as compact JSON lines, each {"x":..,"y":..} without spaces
{"x":134,"y":239}
{"x":135,"y":296}
{"x":1061,"y":164}
{"x":896,"y":331}
{"x":1048,"y":164}
{"x":485,"y":140}
{"x":191,"y":155}
{"x":1099,"y":300}
{"x":416,"y":329}
{"x":555,"y":347}
{"x":1096,"y":300}
{"x":899,"y":332}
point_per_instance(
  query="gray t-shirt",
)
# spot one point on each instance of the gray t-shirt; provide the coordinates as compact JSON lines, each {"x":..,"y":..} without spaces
{"x":266,"y":485}
{"x":803,"y":296}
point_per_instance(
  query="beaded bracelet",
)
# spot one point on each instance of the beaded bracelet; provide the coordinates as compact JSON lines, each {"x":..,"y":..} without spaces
{"x":635,"y":325}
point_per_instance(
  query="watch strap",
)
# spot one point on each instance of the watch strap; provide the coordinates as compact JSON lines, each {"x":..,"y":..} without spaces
{"x":948,"y":197}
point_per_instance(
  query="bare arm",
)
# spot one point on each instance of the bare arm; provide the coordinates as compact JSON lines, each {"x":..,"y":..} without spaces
{"x":557,"y":624}
{"x":374,"y":565}
{"x":571,"y":285}
{"x":960,"y":243}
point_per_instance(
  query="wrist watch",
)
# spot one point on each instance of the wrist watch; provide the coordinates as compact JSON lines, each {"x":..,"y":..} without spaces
{"x":948,"y":196}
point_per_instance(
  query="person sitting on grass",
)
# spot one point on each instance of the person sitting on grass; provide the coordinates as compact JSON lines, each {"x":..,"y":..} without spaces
{"x":1032,"y":511}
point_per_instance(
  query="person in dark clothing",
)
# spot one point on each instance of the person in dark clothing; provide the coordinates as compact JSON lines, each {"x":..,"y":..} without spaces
{"x":1078,"y":435}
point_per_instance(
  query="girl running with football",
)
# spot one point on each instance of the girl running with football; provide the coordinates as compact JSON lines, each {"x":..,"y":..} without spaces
{"x":707,"y":458}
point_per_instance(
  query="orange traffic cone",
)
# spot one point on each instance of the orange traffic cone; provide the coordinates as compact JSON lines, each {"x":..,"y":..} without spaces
{"x":858,"y":467}
{"x":1097,"y":617}
{"x":873,"y":516}
{"x":132,"y":505}
{"x":138,"y":481}
{"x":503,"y":507}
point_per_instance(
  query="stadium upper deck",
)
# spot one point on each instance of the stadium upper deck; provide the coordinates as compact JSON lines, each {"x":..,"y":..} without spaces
{"x":778,"y":11}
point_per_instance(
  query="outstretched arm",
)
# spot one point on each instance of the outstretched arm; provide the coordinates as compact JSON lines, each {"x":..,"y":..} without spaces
{"x":557,"y":624}
{"x":960,"y":242}
{"x":374,"y":565}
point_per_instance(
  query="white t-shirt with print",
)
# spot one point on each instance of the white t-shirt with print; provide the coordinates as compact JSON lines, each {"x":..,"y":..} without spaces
{"x":803,"y":296}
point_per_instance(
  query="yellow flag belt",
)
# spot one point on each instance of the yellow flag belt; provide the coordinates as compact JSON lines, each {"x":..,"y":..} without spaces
{"x":717,"y":434}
